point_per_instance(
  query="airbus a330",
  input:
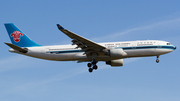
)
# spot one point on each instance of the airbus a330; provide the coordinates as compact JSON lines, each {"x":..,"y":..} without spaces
{"x":85,"y":50}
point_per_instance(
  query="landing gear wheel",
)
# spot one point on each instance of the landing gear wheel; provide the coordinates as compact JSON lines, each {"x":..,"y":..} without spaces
{"x":95,"y":67}
{"x":89,"y":64}
{"x":92,"y":65}
{"x":90,"y":70}
{"x":157,"y":60}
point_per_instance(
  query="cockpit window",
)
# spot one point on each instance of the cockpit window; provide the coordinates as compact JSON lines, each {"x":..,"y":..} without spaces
{"x":168,"y":43}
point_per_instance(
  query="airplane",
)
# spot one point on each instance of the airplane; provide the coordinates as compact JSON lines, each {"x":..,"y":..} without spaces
{"x":85,"y":50}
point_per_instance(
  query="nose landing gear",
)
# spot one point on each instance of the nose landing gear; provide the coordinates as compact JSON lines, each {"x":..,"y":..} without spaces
{"x":157,"y":60}
{"x":92,"y":66}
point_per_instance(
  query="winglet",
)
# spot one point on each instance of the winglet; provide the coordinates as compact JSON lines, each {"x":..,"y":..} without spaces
{"x":60,"y":27}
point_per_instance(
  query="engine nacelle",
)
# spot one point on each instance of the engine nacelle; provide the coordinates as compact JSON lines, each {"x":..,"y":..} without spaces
{"x":116,"y":52}
{"x":118,"y":62}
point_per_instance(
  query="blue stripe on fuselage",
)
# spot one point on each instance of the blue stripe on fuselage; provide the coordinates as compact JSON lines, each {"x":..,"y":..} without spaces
{"x":65,"y":51}
{"x":171,"y":47}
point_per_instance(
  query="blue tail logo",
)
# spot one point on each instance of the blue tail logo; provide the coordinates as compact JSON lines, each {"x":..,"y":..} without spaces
{"x":19,"y":38}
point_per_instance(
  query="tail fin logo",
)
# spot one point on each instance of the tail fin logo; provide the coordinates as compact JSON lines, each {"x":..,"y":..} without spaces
{"x":16,"y":35}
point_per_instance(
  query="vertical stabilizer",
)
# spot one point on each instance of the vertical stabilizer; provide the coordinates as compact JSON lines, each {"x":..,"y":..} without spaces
{"x":19,"y":38}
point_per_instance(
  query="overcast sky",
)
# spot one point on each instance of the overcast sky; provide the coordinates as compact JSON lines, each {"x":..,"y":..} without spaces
{"x":25,"y":78}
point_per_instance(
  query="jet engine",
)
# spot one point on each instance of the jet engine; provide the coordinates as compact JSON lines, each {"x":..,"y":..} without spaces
{"x":118,"y":62}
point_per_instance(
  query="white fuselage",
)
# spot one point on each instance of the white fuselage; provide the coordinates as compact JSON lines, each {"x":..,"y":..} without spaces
{"x":71,"y":53}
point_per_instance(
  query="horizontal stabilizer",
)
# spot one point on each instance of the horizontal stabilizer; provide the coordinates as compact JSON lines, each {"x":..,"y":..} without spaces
{"x":17,"y":48}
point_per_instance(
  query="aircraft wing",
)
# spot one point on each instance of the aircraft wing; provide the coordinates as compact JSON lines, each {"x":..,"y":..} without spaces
{"x":85,"y":44}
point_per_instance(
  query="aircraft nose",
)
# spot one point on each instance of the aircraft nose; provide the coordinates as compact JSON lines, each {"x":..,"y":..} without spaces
{"x":174,"y":47}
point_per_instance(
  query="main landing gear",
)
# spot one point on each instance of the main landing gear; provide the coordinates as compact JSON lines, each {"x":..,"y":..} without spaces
{"x":92,"y":66}
{"x":157,"y":60}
